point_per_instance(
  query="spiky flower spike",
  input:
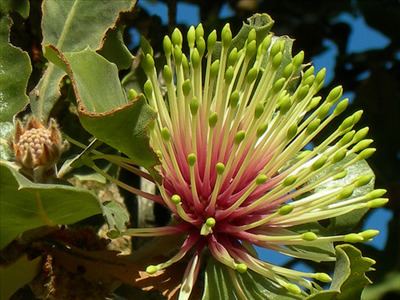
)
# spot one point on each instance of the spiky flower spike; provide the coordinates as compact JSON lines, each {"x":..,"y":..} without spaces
{"x":37,"y":148}
{"x":231,"y":132}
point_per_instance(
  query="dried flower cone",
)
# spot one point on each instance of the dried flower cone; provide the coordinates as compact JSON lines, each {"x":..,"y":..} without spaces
{"x":36,"y":146}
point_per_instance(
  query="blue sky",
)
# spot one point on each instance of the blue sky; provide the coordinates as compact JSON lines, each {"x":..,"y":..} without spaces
{"x":362,"y":38}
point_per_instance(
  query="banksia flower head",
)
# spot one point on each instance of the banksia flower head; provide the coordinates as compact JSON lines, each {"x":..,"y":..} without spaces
{"x":233,"y":124}
{"x":36,"y":147}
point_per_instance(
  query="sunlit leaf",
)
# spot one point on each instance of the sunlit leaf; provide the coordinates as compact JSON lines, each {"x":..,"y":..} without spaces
{"x":71,"y":26}
{"x":25,"y":205}
{"x":15,"y":69}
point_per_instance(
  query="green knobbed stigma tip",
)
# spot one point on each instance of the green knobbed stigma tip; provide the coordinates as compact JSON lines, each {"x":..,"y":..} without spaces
{"x":185,"y":63}
{"x":226,"y":35}
{"x":213,"y":119}
{"x":148,"y":89}
{"x":288,"y":70}
{"x":177,"y":37}
{"x":314,"y":124}
{"x":335,"y":94}
{"x":276,"y":60}
{"x":152,"y":269}
{"x":284,"y":104}
{"x":298,"y":59}
{"x":233,"y":56}
{"x":319,"y":163}
{"x":176,"y":199}
{"x":276,"y":47}
{"x":167,"y":74}
{"x":239,"y":137}
{"x":191,"y":36}
{"x":201,"y":46}
{"x":211,"y":40}
{"x":241,"y":268}
{"x":363,"y":180}
{"x":341,"y":107}
{"x":262,"y":129}
{"x":167,"y":45}
{"x":220,"y":168}
{"x":360,"y":134}
{"x":292,"y":288}
{"x":132,"y":94}
{"x":251,"y":49}
{"x":259,"y":109}
{"x":292,"y":131}
{"x":229,"y":74}
{"x":347,"y":123}
{"x":178,"y":55}
{"x":323,"y":277}
{"x":340,"y":175}
{"x":309,"y":236}
{"x":375,"y":194}
{"x":261,"y":179}
{"x":266,"y":43}
{"x":194,"y":106}
{"x":309,"y":80}
{"x":313,"y":103}
{"x":309,"y":72}
{"x":186,"y":87}
{"x":369,"y":234}
{"x":346,"y":138}
{"x":252,"y":75}
{"x":195,"y":58}
{"x":324,"y":110}
{"x":357,"y":116}
{"x":252,"y":35}
{"x":199,"y":31}
{"x":320,"y":77}
{"x":366,"y":153}
{"x":214,"y":68}
{"x":353,"y":238}
{"x":210,"y":222}
{"x":361,"y":145}
{"x":339,"y":155}
{"x":191,"y":159}
{"x":286,"y":209}
{"x":165,"y":134}
{"x":234,"y":99}
{"x":346,"y":192}
{"x":379,"y":202}
{"x":289,"y":180}
{"x":302,"y":92}
{"x":278,"y":85}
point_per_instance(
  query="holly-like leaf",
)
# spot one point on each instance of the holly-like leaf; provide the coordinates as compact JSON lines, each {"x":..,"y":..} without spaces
{"x":114,"y":49}
{"x":224,"y":283}
{"x":16,"y":275}
{"x":116,"y":216}
{"x":72,"y":25}
{"x":349,"y":278}
{"x":15,"y":69}
{"x":26,"y":205}
{"x":103,"y":107}
{"x":345,"y":222}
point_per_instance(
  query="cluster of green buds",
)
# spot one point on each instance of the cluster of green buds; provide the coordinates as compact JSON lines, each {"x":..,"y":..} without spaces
{"x":37,"y":148}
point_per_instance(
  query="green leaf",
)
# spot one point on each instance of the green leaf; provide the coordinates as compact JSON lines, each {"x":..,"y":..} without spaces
{"x":117,"y":217}
{"x":72,"y":26}
{"x":349,"y":277}
{"x":103,"y":108}
{"x":224,"y":283}
{"x":25,"y":205}
{"x":262,"y":23}
{"x":345,"y":222}
{"x":389,"y":284}
{"x":114,"y":49}
{"x":16,"y":275}
{"x":15,"y":69}
{"x":20,"y":6}
{"x":6,"y":129}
